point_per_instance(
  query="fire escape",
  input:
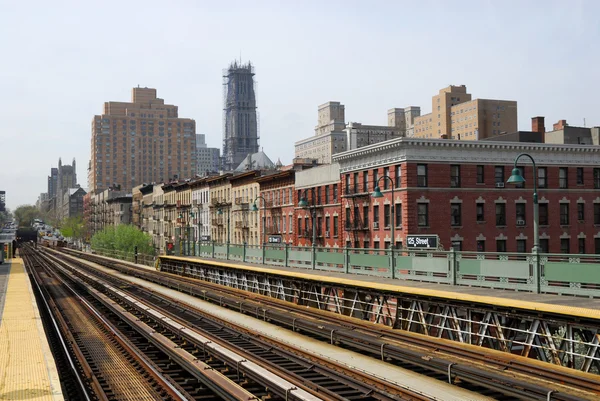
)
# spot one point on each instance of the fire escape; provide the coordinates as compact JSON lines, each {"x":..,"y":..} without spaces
{"x":243,"y":219}
{"x":354,"y":222}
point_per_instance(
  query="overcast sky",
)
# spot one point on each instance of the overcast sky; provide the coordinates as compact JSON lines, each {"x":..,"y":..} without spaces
{"x":60,"y":60}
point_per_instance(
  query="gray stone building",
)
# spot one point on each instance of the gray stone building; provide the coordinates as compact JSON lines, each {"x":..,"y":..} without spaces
{"x":240,"y":136}
{"x":208,"y":160}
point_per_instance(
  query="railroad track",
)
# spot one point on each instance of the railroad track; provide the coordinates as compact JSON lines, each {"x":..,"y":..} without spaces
{"x":242,"y":355}
{"x":473,"y":367}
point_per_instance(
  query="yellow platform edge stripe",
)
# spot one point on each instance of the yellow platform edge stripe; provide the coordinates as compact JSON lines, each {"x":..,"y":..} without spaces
{"x":451,"y":295}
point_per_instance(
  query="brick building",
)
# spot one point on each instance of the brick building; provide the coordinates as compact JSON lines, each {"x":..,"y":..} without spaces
{"x":277,"y":209}
{"x":458,"y":190}
{"x":320,"y":187}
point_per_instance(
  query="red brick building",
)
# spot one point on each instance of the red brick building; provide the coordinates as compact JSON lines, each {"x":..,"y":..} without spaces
{"x":277,"y":208}
{"x":458,"y":190}
{"x":320,"y":186}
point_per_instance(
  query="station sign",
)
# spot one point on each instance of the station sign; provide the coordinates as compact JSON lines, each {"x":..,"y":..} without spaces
{"x":275,"y":239}
{"x":422,"y":241}
{"x":205,"y":238}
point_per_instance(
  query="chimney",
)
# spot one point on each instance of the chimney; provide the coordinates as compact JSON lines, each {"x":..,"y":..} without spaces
{"x":537,"y":124}
{"x":559,"y":125}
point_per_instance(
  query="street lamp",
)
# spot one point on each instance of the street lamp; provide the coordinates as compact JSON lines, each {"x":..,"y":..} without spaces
{"x":313,"y":211}
{"x":377,"y":194}
{"x":254,"y":208}
{"x":192,"y":215}
{"x":517,"y":178}
{"x":220,"y":213}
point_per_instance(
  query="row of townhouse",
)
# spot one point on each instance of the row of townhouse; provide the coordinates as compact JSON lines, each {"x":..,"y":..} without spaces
{"x":456,"y":190}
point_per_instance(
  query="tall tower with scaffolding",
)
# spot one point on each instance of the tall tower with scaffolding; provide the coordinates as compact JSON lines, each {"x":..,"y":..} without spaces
{"x":240,"y":123}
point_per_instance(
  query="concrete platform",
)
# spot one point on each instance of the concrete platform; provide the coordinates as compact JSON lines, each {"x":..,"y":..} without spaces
{"x":27,"y":368}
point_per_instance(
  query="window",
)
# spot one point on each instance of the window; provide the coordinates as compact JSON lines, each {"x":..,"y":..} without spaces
{"x":479,"y":210}
{"x":421,"y":175}
{"x":386,"y":216}
{"x":365,"y":181}
{"x":500,"y":214}
{"x":543,"y":211}
{"x":348,"y":219}
{"x":375,"y":178}
{"x":596,"y":213}
{"x":564,"y":214}
{"x":366,"y":216}
{"x":480,"y":176}
{"x":597,"y":178}
{"x":457,"y":245}
{"x":480,"y":246}
{"x":335,"y":226}
{"x":318,"y":195}
{"x":398,"y":175}
{"x":579,"y":175}
{"x":347,"y":184}
{"x":565,"y":245}
{"x":299,"y":226}
{"x":520,"y":214}
{"x":375,"y":244}
{"x":563,"y":178}
{"x":499,"y":174}
{"x":422,"y":214}
{"x":355,"y":184}
{"x":326,"y":194}
{"x":542,"y":177}
{"x":597,"y":245}
{"x":398,"y":213}
{"x":386,"y":173}
{"x":454,"y":176}
{"x":521,"y":245}
{"x":544,"y":245}
{"x":335,"y":193}
{"x":327,"y":225}
{"x":581,"y":211}
{"x":581,"y":242}
{"x":376,"y":214}
{"x":500,"y":245}
{"x":455,"y":214}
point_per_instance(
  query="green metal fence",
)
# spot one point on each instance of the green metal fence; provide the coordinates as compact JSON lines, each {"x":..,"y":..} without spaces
{"x":548,"y":273}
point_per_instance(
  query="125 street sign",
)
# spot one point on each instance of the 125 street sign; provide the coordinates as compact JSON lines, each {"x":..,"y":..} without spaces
{"x":422,"y":241}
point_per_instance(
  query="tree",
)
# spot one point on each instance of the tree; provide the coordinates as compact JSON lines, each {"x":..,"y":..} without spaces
{"x":72,"y":227}
{"x":25,"y":215}
{"x":123,"y":238}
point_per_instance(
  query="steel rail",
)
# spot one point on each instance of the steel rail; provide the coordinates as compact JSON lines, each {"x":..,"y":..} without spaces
{"x":494,"y":380}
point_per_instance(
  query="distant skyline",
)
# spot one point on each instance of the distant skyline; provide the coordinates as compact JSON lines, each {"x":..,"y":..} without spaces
{"x":64,"y":59}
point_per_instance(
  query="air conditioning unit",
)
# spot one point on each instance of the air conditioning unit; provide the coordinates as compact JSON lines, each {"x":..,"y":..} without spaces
{"x":326,"y":234}
{"x":520,"y":222}
{"x":499,"y":185}
{"x":376,"y":225}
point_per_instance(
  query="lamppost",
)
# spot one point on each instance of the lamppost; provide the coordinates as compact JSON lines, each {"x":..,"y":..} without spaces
{"x":377,"y":194}
{"x":220,"y":213}
{"x":192,"y":215}
{"x":254,"y":208}
{"x":313,"y":212}
{"x":181,"y":247}
{"x":517,"y":178}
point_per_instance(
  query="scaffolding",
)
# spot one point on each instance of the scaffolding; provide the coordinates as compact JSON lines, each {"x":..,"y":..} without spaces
{"x":240,"y":119}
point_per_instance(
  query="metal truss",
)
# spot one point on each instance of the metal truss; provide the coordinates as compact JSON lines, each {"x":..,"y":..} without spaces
{"x":550,"y":338}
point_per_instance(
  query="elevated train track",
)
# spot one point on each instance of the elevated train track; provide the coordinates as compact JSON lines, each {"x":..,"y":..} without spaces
{"x":467,"y":365}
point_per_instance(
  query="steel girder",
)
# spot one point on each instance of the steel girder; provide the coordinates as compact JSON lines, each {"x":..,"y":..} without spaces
{"x":550,"y":338}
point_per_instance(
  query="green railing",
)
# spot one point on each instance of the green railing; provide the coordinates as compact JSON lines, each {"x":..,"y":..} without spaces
{"x":548,"y":273}
{"x":140,"y":258}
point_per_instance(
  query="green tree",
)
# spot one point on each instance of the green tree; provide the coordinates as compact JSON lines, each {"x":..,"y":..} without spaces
{"x":26,"y":213}
{"x":72,"y":227}
{"x":123,"y":238}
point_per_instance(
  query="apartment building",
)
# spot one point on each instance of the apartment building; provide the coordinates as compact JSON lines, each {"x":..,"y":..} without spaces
{"x":220,"y":207}
{"x":277,"y":207}
{"x":455,"y":115}
{"x":457,"y":190}
{"x":319,"y":215}
{"x":140,"y":141}
{"x":245,"y":224}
